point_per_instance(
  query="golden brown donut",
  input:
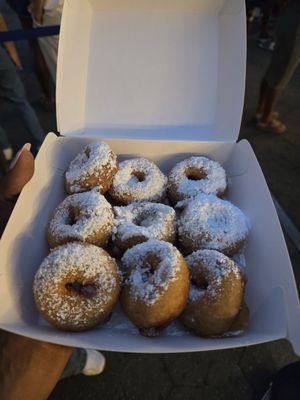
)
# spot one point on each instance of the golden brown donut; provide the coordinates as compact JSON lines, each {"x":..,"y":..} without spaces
{"x":240,"y":323}
{"x":138,"y":179}
{"x":76,"y":286}
{"x":95,"y":165}
{"x":140,"y":221}
{"x":84,"y":217}
{"x":156,"y":285}
{"x":207,"y":222}
{"x":196,"y":175}
{"x":216,"y":293}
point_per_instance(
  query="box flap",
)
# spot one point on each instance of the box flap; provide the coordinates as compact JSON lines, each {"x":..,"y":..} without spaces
{"x":173,"y":66}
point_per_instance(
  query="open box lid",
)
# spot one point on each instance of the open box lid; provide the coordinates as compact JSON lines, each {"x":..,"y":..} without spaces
{"x":152,"y":69}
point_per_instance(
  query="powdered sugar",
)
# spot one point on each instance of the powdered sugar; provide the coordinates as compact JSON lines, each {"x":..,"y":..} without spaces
{"x":149,"y":220}
{"x":209,"y":222}
{"x":65,"y":264}
{"x":91,"y":161}
{"x":146,"y":280}
{"x":215,"y":267}
{"x":145,"y":284}
{"x":94,"y":215}
{"x":195,"y":293}
{"x":212,"y":182}
{"x":138,"y":179}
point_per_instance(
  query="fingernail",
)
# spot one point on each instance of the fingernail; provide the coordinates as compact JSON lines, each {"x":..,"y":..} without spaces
{"x":27,"y":146}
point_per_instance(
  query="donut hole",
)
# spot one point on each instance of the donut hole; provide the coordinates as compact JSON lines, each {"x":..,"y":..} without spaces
{"x":200,"y":282}
{"x":137,"y":176}
{"x":195,"y":174}
{"x":143,"y":219}
{"x":73,"y":216}
{"x":152,"y":262}
{"x":87,"y":290}
{"x":150,"y":265}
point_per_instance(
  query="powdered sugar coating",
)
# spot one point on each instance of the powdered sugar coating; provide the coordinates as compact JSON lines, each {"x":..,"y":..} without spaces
{"x":145,"y":284}
{"x":138,"y":179}
{"x":215,"y":304}
{"x":184,"y":182}
{"x":144,"y":220}
{"x":195,"y":293}
{"x":216,"y":266}
{"x":93,"y":166}
{"x":85,"y":217}
{"x":88,"y":264}
{"x":209,"y":222}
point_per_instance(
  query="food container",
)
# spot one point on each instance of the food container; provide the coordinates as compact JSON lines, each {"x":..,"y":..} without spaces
{"x":164,"y":80}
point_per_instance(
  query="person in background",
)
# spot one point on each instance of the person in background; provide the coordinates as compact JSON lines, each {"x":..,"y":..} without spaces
{"x":30,"y":369}
{"x":286,"y":384}
{"x":48,"y":13}
{"x":266,"y":37}
{"x":265,"y":11}
{"x":13,"y":90}
{"x":285,"y":59}
{"x":20,"y":7}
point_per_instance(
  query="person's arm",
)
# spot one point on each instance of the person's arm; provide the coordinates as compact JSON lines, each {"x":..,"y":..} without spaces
{"x":29,"y":369}
{"x":37,"y":9}
{"x":13,"y":182}
{"x":10,"y":46}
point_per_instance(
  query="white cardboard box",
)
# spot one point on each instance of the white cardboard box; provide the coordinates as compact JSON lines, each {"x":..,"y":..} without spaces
{"x":136,"y":73}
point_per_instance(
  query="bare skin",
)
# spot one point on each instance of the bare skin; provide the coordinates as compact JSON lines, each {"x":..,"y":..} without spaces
{"x":267,"y":102}
{"x":267,"y":117}
{"x":37,"y":8}
{"x":29,"y":369}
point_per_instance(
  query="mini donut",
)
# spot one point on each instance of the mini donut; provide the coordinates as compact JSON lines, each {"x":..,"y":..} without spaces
{"x":156,"y":285}
{"x":240,"y":323}
{"x":138,"y":179}
{"x":216,"y":293}
{"x":196,"y":175}
{"x":141,"y":221}
{"x":208,"y":222}
{"x":76,"y":286}
{"x":95,"y":165}
{"x":84,"y":217}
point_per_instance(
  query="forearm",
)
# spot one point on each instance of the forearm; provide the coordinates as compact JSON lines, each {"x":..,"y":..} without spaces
{"x":29,"y":369}
{"x":38,"y":9}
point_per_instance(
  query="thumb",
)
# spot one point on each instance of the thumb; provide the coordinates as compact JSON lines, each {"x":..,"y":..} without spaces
{"x":20,"y":172}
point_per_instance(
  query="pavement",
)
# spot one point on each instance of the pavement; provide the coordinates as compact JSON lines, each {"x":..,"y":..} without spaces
{"x":238,"y":374}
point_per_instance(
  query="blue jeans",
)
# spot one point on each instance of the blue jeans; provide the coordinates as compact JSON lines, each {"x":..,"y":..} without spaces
{"x":75,"y":364}
{"x":13,"y":90}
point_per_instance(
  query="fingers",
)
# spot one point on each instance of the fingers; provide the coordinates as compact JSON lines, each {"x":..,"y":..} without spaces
{"x":20,"y":172}
{"x":26,"y":146}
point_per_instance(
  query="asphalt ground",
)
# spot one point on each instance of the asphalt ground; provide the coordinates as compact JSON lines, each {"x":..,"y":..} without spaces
{"x":231,"y":374}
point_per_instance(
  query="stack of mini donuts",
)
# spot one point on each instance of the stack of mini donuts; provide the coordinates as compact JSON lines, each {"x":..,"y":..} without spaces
{"x":163,"y":245}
